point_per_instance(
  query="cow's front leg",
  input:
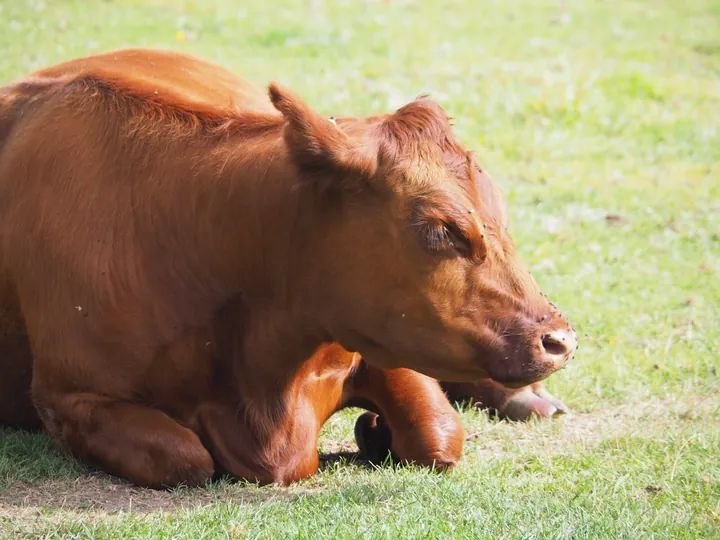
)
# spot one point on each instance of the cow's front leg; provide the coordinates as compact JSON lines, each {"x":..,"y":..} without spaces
{"x":141,"y":444}
{"x":259,"y":444}
{"x":514,"y":404}
{"x":409,"y":416}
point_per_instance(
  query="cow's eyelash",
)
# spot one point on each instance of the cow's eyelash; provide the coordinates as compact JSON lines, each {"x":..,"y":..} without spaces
{"x":441,"y":237}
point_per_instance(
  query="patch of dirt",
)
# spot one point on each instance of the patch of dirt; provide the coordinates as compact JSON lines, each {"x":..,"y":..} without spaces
{"x":94,"y":493}
{"x":615,"y":219}
{"x":328,"y":448}
{"x":101,"y":494}
{"x":569,"y":432}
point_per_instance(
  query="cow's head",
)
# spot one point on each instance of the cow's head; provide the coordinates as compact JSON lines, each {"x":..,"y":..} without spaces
{"x":413,"y":265}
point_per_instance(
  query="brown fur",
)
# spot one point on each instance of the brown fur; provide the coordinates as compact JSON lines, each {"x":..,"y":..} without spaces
{"x":178,"y":254}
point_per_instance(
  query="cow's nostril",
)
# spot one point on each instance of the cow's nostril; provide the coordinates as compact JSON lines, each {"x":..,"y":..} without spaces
{"x":557,"y":343}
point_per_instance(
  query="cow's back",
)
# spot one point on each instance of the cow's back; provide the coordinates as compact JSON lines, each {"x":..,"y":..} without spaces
{"x":165,"y":77}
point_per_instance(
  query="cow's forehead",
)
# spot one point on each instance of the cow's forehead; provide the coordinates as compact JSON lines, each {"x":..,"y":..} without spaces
{"x":490,"y":196}
{"x":470,"y":188}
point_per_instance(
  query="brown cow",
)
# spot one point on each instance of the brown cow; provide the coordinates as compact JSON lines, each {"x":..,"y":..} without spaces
{"x":185,"y":264}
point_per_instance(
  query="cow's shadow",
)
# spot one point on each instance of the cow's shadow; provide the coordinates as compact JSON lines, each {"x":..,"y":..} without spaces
{"x":36,"y":475}
{"x":354,"y":459}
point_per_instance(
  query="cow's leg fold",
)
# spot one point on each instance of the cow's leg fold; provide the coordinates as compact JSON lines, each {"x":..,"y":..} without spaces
{"x":512,"y":403}
{"x":261,"y":446}
{"x":410,"y":417}
{"x":141,"y":444}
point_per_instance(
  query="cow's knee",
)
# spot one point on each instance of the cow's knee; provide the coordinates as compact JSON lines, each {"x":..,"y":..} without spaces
{"x":138,"y":443}
{"x":280,"y":455}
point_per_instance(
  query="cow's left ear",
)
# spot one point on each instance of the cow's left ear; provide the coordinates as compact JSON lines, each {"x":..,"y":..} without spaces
{"x":318,"y":147}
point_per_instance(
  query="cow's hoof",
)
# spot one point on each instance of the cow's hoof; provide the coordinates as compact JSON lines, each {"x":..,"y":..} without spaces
{"x":373,"y":437}
{"x":532,"y":401}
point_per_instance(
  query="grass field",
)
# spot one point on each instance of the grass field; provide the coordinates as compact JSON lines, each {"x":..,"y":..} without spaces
{"x":601,"y":120}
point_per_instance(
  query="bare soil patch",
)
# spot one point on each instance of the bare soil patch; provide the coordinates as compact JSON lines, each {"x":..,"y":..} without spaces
{"x":568,"y":433}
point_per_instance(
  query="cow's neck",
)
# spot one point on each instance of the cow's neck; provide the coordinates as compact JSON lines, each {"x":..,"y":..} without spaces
{"x":256,"y":218}
{"x":244,"y":208}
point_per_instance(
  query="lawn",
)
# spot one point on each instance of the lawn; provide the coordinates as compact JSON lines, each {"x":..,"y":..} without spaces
{"x":601,"y":121}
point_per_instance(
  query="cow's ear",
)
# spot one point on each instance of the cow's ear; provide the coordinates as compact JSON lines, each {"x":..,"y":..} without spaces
{"x":318,"y":147}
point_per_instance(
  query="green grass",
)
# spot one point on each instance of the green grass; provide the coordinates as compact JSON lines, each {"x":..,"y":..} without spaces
{"x":581,"y":110}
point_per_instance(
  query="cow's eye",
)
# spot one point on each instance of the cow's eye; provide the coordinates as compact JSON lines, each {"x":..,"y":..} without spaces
{"x":447,"y":238}
{"x":458,"y":241}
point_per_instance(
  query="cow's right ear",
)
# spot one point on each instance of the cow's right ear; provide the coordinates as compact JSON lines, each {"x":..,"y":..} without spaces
{"x":318,"y":147}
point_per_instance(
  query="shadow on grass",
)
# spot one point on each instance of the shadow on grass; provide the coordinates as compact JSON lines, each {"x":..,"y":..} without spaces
{"x":329,"y":460}
{"x":37,"y":475}
{"x":34,"y":457}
